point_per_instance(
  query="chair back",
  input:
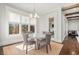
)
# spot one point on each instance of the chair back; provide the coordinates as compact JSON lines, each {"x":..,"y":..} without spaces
{"x":48,"y":38}
{"x":25,"y":37}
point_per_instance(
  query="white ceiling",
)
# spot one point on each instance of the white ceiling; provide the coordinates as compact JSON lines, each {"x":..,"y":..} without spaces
{"x":41,"y":8}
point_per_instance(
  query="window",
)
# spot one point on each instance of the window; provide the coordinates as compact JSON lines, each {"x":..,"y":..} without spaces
{"x":32,"y":25}
{"x":14,"y":17}
{"x":20,"y":24}
{"x":13,"y":28}
{"x":33,"y":21}
{"x":26,"y":22}
{"x":32,"y":28}
{"x":14,"y":20}
{"x":24,"y":28}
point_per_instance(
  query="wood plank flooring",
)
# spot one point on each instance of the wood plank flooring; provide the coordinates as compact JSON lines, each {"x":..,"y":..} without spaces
{"x":70,"y":46}
{"x":13,"y":50}
{"x":1,"y":51}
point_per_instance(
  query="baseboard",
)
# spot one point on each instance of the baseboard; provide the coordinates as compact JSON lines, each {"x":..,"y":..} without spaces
{"x":56,"y":42}
{"x":11,"y":44}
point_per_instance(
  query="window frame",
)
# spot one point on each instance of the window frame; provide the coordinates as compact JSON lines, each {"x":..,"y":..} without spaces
{"x":21,"y":27}
{"x":13,"y":10}
{"x":13,"y":22}
{"x":9,"y":28}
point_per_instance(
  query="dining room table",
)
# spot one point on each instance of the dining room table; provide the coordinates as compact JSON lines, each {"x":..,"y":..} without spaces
{"x":37,"y":40}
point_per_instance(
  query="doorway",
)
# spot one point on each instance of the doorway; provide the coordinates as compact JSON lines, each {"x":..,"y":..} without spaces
{"x":51,"y":26}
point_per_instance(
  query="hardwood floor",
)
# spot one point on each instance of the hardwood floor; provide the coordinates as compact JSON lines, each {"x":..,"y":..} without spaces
{"x":17,"y":49}
{"x":70,"y":47}
{"x":1,"y":51}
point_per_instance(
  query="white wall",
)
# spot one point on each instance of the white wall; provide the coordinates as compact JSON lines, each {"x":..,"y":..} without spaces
{"x":73,"y":25}
{"x":2,"y":23}
{"x":44,"y":26}
{"x":64,"y":26}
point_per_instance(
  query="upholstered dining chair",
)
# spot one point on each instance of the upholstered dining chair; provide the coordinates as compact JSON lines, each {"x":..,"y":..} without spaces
{"x":27,"y":42}
{"x":45,"y":42}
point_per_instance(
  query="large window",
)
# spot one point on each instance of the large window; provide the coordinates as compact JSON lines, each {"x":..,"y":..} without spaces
{"x":14,"y":20}
{"x":20,"y":24}
{"x":24,"y":24}
{"x":32,"y":28}
{"x":24,"y":28}
{"x":13,"y":28}
{"x":27,"y":24}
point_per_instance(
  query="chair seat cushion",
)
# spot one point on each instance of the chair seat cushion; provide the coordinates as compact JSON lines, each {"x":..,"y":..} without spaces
{"x":31,"y":42}
{"x":42,"y":42}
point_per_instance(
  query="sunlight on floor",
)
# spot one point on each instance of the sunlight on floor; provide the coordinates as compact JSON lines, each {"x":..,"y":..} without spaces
{"x":30,"y":47}
{"x":77,"y":39}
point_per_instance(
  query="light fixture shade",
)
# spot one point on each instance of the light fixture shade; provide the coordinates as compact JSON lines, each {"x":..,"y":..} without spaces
{"x":36,"y":15}
{"x":31,"y":16}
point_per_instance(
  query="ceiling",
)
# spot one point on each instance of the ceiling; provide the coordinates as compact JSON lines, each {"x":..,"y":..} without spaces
{"x":72,"y":12}
{"x":40,"y":8}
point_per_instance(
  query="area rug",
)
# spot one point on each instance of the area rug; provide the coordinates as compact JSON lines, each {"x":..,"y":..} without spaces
{"x":30,"y":47}
{"x":56,"y":48}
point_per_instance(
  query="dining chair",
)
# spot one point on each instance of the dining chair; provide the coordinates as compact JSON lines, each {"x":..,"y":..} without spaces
{"x":27,"y":42}
{"x":45,"y":42}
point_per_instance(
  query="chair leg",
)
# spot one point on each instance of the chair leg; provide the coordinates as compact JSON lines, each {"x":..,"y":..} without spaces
{"x":23,"y":46}
{"x":38,"y":46}
{"x":50,"y":46}
{"x":26,"y":49}
{"x":47,"y":48}
{"x":35,"y":46}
